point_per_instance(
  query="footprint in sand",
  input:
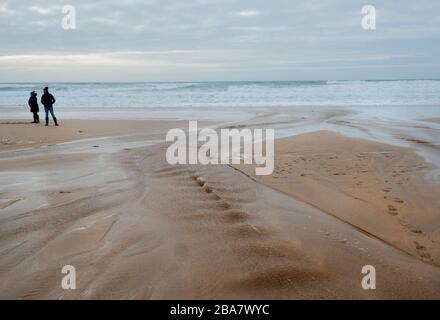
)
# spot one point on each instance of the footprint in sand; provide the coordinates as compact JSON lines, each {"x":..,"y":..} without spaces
{"x":395,"y":174}
{"x":392,"y":210}
{"x":207,"y":188}
{"x":235,"y":216}
{"x":223,"y":204}
{"x":415,"y":230}
{"x":305,"y":174}
{"x":422,"y":251}
{"x":200,"y":181}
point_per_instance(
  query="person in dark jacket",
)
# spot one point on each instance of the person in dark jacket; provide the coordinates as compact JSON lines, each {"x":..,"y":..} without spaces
{"x":33,"y":104}
{"x":48,"y":100}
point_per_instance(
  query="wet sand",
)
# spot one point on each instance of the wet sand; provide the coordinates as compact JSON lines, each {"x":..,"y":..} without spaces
{"x":23,"y":134}
{"x":378,"y":188}
{"x":136,"y":227}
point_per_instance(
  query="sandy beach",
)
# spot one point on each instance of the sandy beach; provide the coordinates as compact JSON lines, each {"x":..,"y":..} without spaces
{"x":24,"y":134}
{"x":375,"y":187}
{"x":106,"y":201}
{"x":244,"y":151}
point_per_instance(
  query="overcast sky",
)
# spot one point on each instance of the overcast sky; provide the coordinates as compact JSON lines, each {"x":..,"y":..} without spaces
{"x":189,"y":40}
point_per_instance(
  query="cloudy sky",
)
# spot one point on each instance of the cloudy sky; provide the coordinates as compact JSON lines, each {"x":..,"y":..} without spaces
{"x":188,"y":40}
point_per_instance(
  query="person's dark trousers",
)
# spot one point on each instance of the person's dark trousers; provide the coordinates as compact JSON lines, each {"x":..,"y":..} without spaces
{"x":36,"y":117}
{"x":50,"y":110}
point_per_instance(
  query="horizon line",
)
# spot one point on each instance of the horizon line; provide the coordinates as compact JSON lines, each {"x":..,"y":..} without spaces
{"x":213,"y":81}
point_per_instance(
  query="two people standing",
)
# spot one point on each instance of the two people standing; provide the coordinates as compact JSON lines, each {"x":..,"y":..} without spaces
{"x":48,"y":101}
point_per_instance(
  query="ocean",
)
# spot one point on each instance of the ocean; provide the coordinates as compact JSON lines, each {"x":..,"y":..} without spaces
{"x":152,"y":97}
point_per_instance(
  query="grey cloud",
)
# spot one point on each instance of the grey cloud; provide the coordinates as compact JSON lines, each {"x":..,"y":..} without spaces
{"x":222,"y":39}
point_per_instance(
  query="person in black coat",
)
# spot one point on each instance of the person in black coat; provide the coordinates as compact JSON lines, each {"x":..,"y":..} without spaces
{"x":48,"y":100}
{"x":33,"y":104}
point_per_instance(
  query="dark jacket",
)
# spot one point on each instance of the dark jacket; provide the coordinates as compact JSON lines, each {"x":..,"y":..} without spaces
{"x":47,"y":100}
{"x":33,"y":104}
